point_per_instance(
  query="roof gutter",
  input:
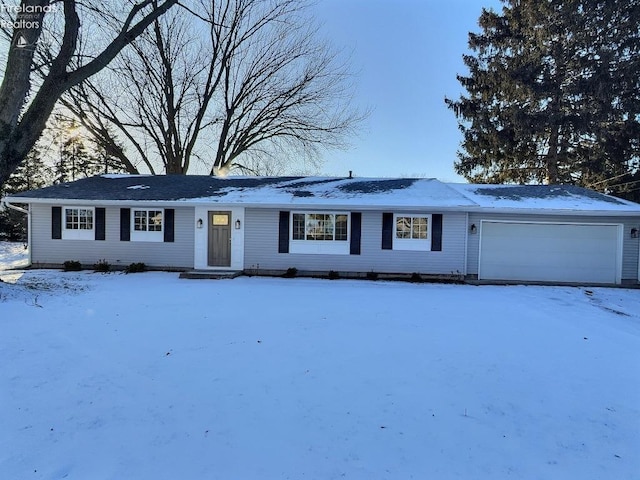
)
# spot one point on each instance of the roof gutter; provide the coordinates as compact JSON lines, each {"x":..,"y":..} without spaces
{"x":15,"y":207}
{"x":197,"y":202}
{"x":342,"y":206}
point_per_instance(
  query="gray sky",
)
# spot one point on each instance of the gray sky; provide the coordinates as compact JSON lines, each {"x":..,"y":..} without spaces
{"x":407,"y":54}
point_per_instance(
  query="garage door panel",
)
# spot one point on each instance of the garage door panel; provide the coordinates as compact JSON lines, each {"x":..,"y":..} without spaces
{"x":549,"y":252}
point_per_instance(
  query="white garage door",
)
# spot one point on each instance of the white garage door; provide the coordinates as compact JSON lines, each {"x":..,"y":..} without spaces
{"x":549,"y":252}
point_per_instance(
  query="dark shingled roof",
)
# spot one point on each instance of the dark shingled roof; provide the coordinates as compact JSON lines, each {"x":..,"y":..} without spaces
{"x":524,"y":192}
{"x":308,"y":183}
{"x":179,"y":187}
{"x":149,"y":187}
{"x":327,"y":191}
{"x":369,"y":186}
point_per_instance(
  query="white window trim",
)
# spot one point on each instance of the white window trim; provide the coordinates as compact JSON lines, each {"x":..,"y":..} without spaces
{"x":77,"y":234}
{"x":416,"y":244}
{"x":146,"y":236}
{"x":321,"y":247}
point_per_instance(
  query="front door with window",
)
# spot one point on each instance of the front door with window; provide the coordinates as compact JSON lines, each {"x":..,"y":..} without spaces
{"x":219,"y":239}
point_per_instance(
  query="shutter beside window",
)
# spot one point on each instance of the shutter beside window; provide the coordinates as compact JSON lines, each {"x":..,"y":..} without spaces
{"x":125,"y":224}
{"x":436,"y":232}
{"x":387,"y":231}
{"x":56,"y":223}
{"x":283,"y":233}
{"x":169,"y":224}
{"x":100,"y":233}
{"x":356,"y":228}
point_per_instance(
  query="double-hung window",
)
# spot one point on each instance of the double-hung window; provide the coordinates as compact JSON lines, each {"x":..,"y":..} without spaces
{"x":147,"y":220}
{"x":412,"y":232}
{"x":147,"y":225}
{"x":320,"y":226}
{"x":78,"y":223}
{"x":320,"y":232}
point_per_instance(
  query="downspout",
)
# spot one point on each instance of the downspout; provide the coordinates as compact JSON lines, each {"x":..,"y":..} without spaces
{"x":466,"y":245}
{"x":28,"y":214}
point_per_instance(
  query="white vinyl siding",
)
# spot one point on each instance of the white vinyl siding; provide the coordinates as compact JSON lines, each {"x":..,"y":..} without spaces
{"x":261,"y":248}
{"x":178,"y":254}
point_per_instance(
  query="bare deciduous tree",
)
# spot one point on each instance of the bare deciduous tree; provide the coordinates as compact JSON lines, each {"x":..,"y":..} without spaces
{"x":228,"y":84}
{"x":25,"y":108}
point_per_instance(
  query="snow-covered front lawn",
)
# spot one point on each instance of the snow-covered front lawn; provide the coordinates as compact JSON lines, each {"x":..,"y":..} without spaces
{"x":145,"y":376}
{"x":12,"y":255}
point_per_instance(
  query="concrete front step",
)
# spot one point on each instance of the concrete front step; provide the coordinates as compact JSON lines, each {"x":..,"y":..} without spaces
{"x":210,"y":274}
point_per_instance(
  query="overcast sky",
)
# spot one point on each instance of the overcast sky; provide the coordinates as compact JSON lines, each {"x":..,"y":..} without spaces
{"x":407,"y":54}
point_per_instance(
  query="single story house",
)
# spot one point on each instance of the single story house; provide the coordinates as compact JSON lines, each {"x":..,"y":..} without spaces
{"x":514,"y":233}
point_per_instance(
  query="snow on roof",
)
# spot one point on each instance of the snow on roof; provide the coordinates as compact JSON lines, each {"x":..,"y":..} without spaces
{"x":326,"y":191}
{"x":122,"y":175}
{"x":548,"y":197}
{"x":400,"y":192}
{"x":329,"y":192}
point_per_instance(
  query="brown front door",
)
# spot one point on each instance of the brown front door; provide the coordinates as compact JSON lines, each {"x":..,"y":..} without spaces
{"x":219,"y":239}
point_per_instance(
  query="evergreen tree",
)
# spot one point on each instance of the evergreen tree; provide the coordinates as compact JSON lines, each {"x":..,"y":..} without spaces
{"x":553,"y":95}
{"x":76,"y":161}
{"x":69,"y":156}
{"x":79,"y":156}
{"x":30,"y":174}
{"x":104,"y":161}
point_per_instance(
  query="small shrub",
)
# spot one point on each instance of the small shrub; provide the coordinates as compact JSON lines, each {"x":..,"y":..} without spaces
{"x":135,"y":268}
{"x":102,"y":266}
{"x":333,"y":275}
{"x":291,"y":272}
{"x":372,"y":275}
{"x":415,"y":278}
{"x":72,"y":266}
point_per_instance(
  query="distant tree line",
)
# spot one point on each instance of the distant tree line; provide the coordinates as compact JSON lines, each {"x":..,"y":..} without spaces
{"x":64,"y":153}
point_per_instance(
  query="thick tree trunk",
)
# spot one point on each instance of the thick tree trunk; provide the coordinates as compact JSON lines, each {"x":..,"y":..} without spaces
{"x":16,"y":82}
{"x":19,"y":135}
{"x":16,"y":144}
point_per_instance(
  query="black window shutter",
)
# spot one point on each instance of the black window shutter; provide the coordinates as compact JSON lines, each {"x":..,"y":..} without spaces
{"x":100,"y":232}
{"x":283,"y":233}
{"x":169,"y":224}
{"x":387,"y":231}
{"x":125,"y":224}
{"x":56,"y":223}
{"x":356,"y":228}
{"x":436,"y":232}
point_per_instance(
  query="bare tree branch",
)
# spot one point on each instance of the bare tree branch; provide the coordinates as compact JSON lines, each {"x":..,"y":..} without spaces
{"x":225,"y":80}
{"x":21,"y":127}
